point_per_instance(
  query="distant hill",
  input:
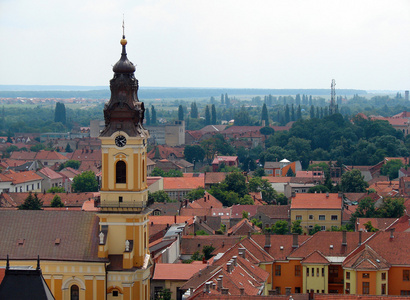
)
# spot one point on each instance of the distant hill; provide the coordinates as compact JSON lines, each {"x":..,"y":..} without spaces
{"x":99,"y":92}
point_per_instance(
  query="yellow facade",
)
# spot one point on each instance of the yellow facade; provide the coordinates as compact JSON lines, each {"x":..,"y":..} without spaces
{"x":60,"y":276}
{"x":124,"y":219}
{"x":315,"y":278}
{"x":322,"y":217}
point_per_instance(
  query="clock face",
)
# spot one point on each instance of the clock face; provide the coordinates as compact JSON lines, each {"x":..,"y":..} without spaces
{"x":120,"y":141}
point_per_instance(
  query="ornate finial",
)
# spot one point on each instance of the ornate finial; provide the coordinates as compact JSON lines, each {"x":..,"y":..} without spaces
{"x":123,"y":26}
{"x":123,"y":41}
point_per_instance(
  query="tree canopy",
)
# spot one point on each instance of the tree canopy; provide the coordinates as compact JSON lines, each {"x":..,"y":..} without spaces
{"x":85,"y":182}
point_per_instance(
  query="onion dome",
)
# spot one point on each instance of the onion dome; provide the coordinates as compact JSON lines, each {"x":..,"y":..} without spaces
{"x":124,"y":65}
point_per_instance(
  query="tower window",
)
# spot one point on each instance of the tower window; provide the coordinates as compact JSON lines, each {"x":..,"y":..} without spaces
{"x":120,"y":199}
{"x":121,"y":172}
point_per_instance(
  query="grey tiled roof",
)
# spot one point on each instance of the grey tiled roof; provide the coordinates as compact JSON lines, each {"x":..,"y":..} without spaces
{"x":56,"y":235}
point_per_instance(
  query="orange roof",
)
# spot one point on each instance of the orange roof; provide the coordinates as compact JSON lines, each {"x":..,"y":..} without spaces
{"x":25,"y":176}
{"x":176,"y":271}
{"x":50,"y":155}
{"x":183,"y":183}
{"x":50,"y":173}
{"x":316,"y":201}
{"x":207,"y":201}
{"x":273,"y":179}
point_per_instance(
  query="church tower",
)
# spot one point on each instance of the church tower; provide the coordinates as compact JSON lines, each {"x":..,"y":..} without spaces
{"x":124,"y":192}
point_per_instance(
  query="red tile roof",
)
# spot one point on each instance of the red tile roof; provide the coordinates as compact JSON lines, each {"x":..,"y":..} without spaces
{"x":26,"y":176}
{"x":166,"y":152}
{"x":176,"y":271}
{"x":77,"y":231}
{"x":214,"y":177}
{"x":238,"y":209}
{"x":395,"y":250}
{"x":316,"y":257}
{"x":50,"y":173}
{"x":330,"y":244}
{"x":183,"y":183}
{"x":50,"y":155}
{"x":316,"y":201}
{"x":208,"y":201}
{"x":243,"y":227}
{"x":69,"y":199}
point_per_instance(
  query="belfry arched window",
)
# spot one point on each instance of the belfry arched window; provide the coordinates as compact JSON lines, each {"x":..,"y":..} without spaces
{"x":74,"y":292}
{"x":121,"y":172}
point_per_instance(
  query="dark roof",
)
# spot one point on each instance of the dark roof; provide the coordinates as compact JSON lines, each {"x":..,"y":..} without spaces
{"x":24,"y":283}
{"x":53,"y":235}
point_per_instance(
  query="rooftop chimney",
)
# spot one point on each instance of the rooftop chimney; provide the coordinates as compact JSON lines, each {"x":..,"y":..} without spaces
{"x":392,"y":233}
{"x":224,"y":291}
{"x":360,"y":237}
{"x":267,"y":240}
{"x":219,"y":282}
{"x":295,"y":243}
{"x":242,"y":252}
{"x":242,"y":291}
{"x":344,"y":241}
{"x":229,"y":267}
{"x":235,"y":260}
{"x":207,"y":286}
{"x":249,"y":234}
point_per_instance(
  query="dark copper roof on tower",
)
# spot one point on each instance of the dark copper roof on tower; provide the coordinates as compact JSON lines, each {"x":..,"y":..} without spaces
{"x":124,"y":65}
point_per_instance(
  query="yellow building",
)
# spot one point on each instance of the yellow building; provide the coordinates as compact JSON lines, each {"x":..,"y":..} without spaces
{"x":88,"y":256}
{"x":313,"y":209}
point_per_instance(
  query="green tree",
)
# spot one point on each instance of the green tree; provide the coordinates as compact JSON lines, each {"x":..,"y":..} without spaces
{"x":75,"y":164}
{"x":391,"y":208}
{"x":318,"y":189}
{"x":194,"y":153}
{"x":85,"y":182}
{"x":213,"y":115}
{"x":391,"y":168}
{"x":280,"y":227}
{"x":369,"y":227}
{"x":296,"y":227}
{"x":236,"y":182}
{"x":287,"y":114}
{"x":31,"y":203}
{"x":164,"y":294}
{"x":267,"y":131}
{"x":158,"y":196}
{"x":56,"y":202}
{"x":257,"y":184}
{"x":207,"y":250}
{"x":195,"y":194}
{"x":37,"y":147}
{"x":353,"y":182}
{"x":60,"y":113}
{"x":197,"y":256}
{"x":68,"y":148}
{"x":201,"y":232}
{"x":153,"y":115}
{"x":194,"y":110}
{"x":265,"y":115}
{"x":316,"y":228}
{"x":207,"y":116}
{"x":56,"y":189}
{"x":147,"y":117}
{"x":180,"y":113}
{"x":245,"y":215}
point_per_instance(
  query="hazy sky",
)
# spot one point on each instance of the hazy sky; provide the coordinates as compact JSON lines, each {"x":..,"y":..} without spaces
{"x":362,"y":44}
